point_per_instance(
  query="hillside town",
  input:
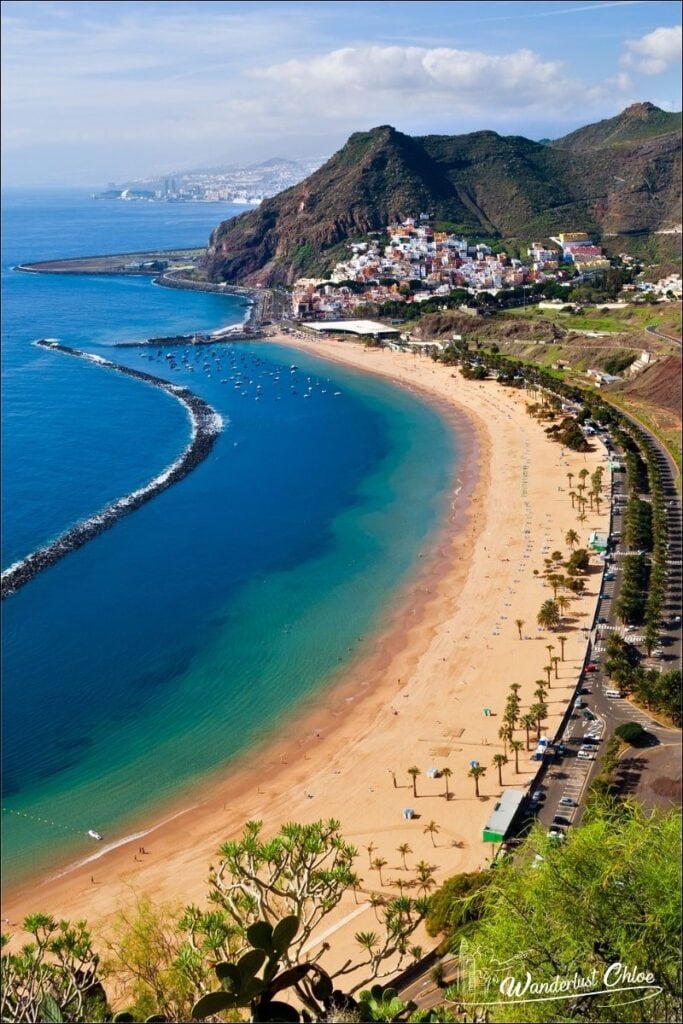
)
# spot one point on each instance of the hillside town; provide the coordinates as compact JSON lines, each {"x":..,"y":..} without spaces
{"x":413,"y":262}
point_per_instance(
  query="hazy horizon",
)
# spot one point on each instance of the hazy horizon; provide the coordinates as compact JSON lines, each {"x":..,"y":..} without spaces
{"x":117,"y":91}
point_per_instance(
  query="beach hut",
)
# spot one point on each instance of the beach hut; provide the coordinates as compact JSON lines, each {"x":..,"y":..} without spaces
{"x":408,"y":813}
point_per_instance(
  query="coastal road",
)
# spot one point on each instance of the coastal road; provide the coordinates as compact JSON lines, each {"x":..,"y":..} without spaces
{"x":667,"y":337}
{"x":569,"y":776}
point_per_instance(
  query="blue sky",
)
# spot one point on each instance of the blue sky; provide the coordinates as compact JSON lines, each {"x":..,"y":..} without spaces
{"x":97,"y":92}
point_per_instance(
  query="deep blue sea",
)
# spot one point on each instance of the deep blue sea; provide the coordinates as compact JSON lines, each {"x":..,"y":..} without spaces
{"x":165,"y":646}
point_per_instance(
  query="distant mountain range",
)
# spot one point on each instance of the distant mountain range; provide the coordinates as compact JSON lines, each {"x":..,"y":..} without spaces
{"x":619,"y":177}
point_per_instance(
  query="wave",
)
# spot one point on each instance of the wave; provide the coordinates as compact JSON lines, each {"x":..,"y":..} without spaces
{"x":206,"y":424}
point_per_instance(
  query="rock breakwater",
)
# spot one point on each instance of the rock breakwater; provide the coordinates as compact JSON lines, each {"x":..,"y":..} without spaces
{"x":206,"y":425}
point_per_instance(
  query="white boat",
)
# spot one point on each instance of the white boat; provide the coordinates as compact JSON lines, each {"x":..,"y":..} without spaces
{"x":93,"y":834}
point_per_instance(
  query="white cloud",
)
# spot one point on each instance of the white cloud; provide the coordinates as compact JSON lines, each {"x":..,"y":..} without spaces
{"x":371,"y":82}
{"x":654,"y":52}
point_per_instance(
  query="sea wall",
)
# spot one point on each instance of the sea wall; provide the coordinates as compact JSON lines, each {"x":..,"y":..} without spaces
{"x":206,"y":424}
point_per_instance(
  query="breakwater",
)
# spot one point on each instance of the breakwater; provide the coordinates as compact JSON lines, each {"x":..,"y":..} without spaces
{"x":206,"y":424}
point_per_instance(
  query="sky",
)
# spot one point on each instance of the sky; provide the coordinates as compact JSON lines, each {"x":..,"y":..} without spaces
{"x":98,"y":92}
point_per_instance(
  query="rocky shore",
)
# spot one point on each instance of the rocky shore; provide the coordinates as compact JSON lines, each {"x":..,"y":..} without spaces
{"x":206,"y":425}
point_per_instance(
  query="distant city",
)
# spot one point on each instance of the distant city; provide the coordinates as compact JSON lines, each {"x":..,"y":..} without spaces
{"x":248,"y":184}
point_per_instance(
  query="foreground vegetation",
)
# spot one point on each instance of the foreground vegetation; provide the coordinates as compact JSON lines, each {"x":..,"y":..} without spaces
{"x":609,"y":894}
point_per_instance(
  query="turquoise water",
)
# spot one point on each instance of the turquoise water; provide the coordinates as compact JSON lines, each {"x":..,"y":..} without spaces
{"x":160,"y":650}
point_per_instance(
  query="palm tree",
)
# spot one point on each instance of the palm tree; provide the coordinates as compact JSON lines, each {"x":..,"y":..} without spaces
{"x":571,"y":538}
{"x":433,"y":830}
{"x":555,"y":581}
{"x":555,"y":662}
{"x":519,"y":623}
{"x":446,"y":772}
{"x":425,"y":878}
{"x":572,"y":495}
{"x":563,"y":640}
{"x":371,"y":849}
{"x":379,"y":863}
{"x":549,"y":615}
{"x":499,"y":760}
{"x":583,"y":473}
{"x":515,"y":688}
{"x":570,"y":477}
{"x":562,"y":604}
{"x":515,"y":747}
{"x":527,"y":722}
{"x":376,"y":900}
{"x":505,"y":734}
{"x":548,"y":669}
{"x":541,"y":712}
{"x":539,"y":693}
{"x":475,"y":772}
{"x":598,"y":501}
{"x":550,"y":648}
{"x":404,"y":849}
{"x":414,"y":772}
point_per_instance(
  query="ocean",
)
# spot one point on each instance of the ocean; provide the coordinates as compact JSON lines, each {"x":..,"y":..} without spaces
{"x":166,"y":646}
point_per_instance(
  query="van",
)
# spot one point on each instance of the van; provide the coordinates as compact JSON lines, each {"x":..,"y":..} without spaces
{"x":586,"y":755}
{"x":612,"y":693}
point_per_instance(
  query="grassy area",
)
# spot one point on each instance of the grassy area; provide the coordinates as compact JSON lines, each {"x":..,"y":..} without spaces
{"x":666,"y":317}
{"x":670,"y":437}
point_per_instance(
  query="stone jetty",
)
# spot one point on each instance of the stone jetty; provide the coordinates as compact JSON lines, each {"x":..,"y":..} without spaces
{"x":206,"y":425}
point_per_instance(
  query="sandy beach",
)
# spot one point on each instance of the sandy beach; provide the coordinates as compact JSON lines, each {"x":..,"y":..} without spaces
{"x":449,"y":649}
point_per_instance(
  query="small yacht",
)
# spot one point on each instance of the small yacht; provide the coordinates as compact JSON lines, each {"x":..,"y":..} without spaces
{"x":93,"y":834}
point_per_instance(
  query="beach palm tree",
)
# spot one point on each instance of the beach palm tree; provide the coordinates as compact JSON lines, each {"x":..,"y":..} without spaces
{"x":476,"y":772}
{"x":404,"y":849}
{"x":379,"y":863}
{"x":519,"y":623}
{"x":570,"y":477}
{"x":598,"y":501}
{"x":425,"y":878}
{"x":563,"y":640}
{"x":499,"y":760}
{"x":549,"y":615}
{"x":571,"y":538}
{"x":555,"y":662}
{"x":414,"y":772}
{"x":550,"y":648}
{"x":555,"y":581}
{"x":515,"y":688}
{"x":539,"y":693}
{"x":371,"y":849}
{"x":515,"y":747}
{"x":583,"y":473}
{"x":562,"y":604}
{"x":376,"y":900}
{"x":447,"y":772}
{"x":548,"y":669}
{"x":505,"y":734}
{"x":572,"y":495}
{"x":527,"y":722}
{"x":433,"y":830}
{"x":541,"y":715}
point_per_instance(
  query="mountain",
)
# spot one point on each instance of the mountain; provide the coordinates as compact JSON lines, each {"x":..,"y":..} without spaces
{"x":637,"y":123}
{"x":480,"y":184}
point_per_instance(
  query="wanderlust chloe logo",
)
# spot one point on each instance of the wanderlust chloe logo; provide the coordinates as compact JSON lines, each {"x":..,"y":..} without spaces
{"x":516,"y":984}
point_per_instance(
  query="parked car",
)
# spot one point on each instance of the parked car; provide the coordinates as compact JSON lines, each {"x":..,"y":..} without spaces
{"x":591,"y":667}
{"x":602,"y":621}
{"x":559,"y":819}
{"x":567,"y":801}
{"x":560,"y":749}
{"x":537,"y":796}
{"x":556,"y":833}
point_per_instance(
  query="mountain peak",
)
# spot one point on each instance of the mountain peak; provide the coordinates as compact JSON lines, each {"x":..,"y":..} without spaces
{"x":641,"y":111}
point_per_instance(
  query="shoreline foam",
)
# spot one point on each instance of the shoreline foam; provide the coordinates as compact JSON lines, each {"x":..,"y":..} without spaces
{"x":416,"y":699}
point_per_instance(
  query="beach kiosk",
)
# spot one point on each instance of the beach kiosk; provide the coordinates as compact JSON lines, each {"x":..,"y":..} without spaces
{"x":408,"y":813}
{"x":502,"y":816}
{"x":598,"y":541}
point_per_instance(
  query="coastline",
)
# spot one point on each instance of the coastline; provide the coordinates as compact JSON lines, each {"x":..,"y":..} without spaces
{"x":389,"y":709}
